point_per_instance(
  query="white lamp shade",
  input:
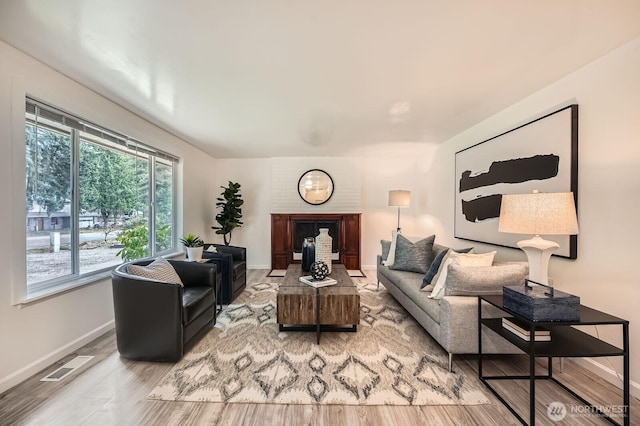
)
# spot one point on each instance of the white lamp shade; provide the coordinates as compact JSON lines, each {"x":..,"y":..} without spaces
{"x":399,"y":198}
{"x":538,"y":214}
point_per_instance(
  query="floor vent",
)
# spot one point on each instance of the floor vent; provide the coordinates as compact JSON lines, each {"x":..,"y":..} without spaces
{"x":67,"y":369}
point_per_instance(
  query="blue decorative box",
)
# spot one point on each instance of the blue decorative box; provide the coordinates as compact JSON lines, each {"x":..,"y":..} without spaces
{"x":537,"y":303}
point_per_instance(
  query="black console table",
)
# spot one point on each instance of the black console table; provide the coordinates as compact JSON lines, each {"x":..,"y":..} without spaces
{"x":566,"y":341}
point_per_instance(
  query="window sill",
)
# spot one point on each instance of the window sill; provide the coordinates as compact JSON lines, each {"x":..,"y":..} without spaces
{"x":67,"y":286}
{"x":56,"y":290}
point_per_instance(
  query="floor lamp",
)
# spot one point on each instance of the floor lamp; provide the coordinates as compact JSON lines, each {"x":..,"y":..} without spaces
{"x":401,"y":199}
{"x":538,"y":213}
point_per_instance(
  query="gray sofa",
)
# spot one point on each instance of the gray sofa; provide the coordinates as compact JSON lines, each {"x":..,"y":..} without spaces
{"x":452,"y":320}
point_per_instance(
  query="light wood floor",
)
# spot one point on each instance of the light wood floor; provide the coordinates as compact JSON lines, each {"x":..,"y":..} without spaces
{"x":111,"y":390}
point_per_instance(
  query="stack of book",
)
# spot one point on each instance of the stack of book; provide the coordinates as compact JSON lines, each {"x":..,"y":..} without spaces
{"x":309,"y":280}
{"x":523,"y":331}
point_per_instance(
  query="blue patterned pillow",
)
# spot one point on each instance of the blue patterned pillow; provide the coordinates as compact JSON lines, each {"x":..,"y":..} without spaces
{"x":435,"y":267}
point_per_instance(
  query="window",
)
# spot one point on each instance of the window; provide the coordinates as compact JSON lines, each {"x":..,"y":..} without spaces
{"x":94,"y":198}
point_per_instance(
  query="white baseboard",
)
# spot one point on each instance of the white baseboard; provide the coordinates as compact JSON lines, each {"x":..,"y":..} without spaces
{"x":24,"y":373}
{"x":259,"y":267}
{"x":608,"y":374}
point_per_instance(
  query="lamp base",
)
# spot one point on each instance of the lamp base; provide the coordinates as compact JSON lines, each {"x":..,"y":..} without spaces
{"x":538,"y":251}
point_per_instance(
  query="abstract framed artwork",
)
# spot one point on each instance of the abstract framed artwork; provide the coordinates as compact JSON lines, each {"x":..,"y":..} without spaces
{"x":541,"y":154}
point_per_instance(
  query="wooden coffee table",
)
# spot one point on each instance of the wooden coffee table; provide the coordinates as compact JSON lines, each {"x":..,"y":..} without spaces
{"x":301,"y":307}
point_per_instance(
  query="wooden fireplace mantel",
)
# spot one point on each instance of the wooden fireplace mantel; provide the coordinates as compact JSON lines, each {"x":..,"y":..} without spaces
{"x":282,"y":238}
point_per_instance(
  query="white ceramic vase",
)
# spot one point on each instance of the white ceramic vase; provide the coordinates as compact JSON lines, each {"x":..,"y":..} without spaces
{"x":323,"y":247}
{"x":194,"y":254}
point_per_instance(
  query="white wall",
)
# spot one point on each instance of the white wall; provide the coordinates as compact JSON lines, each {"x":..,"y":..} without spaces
{"x":605,"y":275}
{"x":407,"y":167}
{"x":344,"y":171}
{"x":254,"y":176}
{"x":269,"y":185}
{"x":38,"y":334}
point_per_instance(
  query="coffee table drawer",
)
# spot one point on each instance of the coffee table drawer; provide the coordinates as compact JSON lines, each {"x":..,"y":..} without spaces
{"x":297,"y":308}
{"x":340,"y":308}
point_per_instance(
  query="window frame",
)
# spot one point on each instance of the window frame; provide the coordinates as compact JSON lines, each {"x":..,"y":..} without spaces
{"x":24,"y":293}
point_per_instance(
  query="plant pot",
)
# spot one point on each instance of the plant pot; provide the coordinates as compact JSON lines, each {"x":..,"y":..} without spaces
{"x":194,"y":254}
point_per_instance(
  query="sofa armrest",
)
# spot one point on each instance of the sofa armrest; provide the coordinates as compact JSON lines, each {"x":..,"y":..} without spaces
{"x":195,"y":274}
{"x":459,"y":322}
{"x":239,"y":253}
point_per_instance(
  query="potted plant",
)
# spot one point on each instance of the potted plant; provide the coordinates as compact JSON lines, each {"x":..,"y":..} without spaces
{"x":230,"y":201}
{"x":194,"y":246}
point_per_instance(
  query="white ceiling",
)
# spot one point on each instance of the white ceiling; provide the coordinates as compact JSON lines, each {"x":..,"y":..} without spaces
{"x":241,"y":78}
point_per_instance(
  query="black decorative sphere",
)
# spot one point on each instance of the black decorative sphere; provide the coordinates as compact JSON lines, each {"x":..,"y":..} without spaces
{"x":319,"y":270}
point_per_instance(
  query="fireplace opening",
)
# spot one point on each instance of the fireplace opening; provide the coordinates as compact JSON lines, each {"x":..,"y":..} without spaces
{"x":303,"y":228}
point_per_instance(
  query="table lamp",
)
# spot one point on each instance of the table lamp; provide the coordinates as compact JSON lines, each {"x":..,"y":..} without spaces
{"x":401,"y":199}
{"x":538,"y":214}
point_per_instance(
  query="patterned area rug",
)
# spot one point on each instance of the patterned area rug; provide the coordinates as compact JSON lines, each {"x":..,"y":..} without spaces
{"x":390,"y":360}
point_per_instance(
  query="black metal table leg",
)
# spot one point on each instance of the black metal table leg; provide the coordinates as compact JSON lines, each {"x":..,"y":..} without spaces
{"x":479,"y":338}
{"x":626,"y":385}
{"x":318,"y":316}
{"x":532,"y":379}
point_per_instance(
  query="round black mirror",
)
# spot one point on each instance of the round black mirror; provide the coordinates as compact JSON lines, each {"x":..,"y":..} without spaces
{"x":315,"y":186}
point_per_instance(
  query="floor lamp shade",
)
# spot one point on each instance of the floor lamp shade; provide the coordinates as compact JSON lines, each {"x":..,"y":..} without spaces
{"x":401,"y":199}
{"x":538,"y":214}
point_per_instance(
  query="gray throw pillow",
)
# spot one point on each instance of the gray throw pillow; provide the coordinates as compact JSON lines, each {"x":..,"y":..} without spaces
{"x":386,"y":247}
{"x":413,"y":257}
{"x":479,"y":280}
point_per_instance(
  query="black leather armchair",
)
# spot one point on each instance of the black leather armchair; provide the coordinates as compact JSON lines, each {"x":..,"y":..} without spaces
{"x":232,"y":262}
{"x":156,"y":321}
